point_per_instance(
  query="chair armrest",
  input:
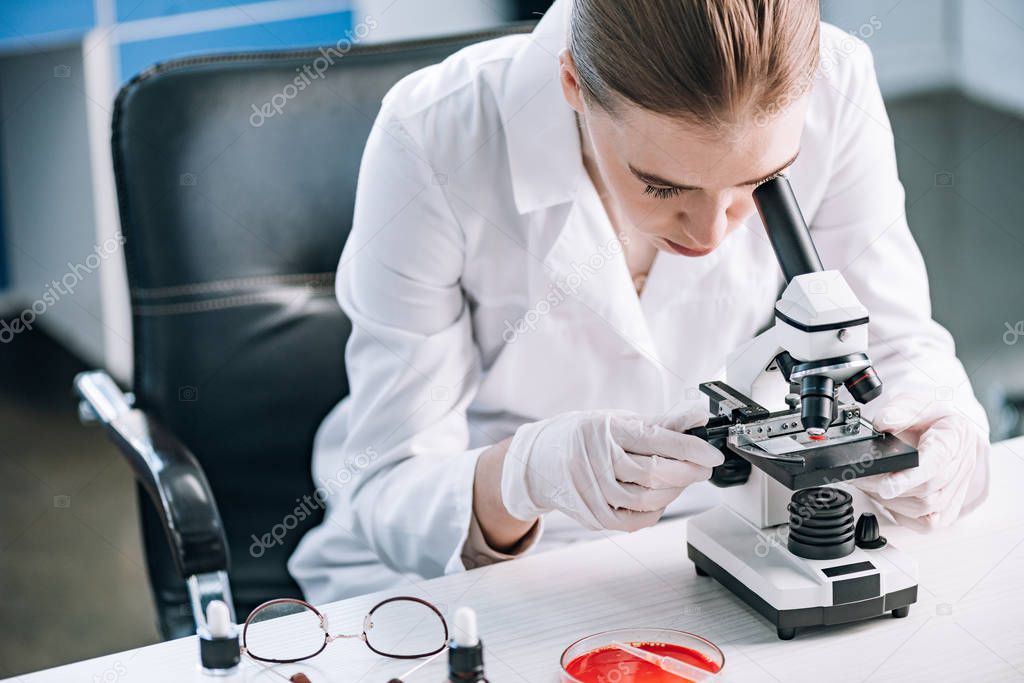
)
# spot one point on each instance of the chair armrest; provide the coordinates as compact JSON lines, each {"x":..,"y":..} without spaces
{"x":168,"y":472}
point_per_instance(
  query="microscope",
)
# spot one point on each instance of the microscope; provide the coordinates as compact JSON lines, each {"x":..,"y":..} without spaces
{"x":785,"y":538}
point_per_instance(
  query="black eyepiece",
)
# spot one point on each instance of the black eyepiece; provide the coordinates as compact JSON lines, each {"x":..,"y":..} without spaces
{"x":786,"y":228}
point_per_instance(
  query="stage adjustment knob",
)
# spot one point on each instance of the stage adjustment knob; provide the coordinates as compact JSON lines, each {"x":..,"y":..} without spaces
{"x":867,"y":534}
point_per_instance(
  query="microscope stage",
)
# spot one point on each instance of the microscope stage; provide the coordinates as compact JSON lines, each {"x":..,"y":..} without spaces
{"x":833,"y":461}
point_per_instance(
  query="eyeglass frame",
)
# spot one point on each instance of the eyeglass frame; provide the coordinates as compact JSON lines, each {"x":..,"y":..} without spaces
{"x":328,"y":638}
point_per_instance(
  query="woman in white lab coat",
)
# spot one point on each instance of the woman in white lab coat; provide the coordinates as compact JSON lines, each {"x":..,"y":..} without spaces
{"x":554,"y":243}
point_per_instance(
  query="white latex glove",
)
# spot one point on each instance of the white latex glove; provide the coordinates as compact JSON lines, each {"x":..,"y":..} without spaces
{"x":952,"y":474}
{"x":605,"y":469}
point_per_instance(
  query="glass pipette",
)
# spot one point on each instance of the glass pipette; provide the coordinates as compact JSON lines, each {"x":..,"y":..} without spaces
{"x":669,"y":664}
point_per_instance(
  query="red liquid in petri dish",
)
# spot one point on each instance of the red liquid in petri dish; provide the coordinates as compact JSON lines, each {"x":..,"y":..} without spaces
{"x":612,"y":664}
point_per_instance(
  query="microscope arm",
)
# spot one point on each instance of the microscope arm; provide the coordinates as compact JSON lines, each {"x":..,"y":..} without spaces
{"x":748,"y":363}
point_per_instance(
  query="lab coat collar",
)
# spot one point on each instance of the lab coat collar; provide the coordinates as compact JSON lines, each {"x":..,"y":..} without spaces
{"x":543,"y":149}
{"x":546,"y":163}
{"x":547,"y":170}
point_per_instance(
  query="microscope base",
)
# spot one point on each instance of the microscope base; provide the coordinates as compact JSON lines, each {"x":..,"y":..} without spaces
{"x":793,"y":592}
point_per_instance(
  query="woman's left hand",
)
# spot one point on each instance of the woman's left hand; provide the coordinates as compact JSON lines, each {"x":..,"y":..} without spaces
{"x":952,"y":471}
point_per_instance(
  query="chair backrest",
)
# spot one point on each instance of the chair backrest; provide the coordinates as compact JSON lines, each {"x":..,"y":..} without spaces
{"x":236,"y":190}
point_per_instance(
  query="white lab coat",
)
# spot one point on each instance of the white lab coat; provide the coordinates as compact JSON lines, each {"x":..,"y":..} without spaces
{"x":486,"y":289}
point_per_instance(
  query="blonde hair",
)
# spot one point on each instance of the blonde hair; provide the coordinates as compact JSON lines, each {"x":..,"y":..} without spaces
{"x":712,"y":62}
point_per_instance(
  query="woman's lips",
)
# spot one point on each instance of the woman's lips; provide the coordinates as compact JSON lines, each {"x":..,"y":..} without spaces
{"x":686,"y":251}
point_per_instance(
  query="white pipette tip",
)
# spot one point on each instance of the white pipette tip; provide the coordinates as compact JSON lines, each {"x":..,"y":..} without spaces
{"x":465,"y":627}
{"x":218,"y":619}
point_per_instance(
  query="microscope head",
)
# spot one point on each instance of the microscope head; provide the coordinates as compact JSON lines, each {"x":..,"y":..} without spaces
{"x":821,"y":328}
{"x":823,"y":331}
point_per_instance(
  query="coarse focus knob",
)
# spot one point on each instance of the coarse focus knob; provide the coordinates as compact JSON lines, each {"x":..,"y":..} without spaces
{"x":821,"y":523}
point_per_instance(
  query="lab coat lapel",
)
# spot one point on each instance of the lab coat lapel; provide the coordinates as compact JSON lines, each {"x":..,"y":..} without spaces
{"x":586,"y":263}
{"x":543,"y":149}
{"x":581,"y":259}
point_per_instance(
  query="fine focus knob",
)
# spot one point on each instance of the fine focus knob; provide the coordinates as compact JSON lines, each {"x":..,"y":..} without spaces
{"x":866,"y":534}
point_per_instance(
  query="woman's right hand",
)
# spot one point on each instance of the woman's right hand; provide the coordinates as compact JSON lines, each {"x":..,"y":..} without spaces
{"x":606,"y":469}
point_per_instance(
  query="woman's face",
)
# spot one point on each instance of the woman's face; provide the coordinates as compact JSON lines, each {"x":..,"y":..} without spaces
{"x":682,"y":186}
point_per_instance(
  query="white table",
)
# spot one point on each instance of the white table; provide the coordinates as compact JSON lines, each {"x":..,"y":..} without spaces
{"x":968,"y":623}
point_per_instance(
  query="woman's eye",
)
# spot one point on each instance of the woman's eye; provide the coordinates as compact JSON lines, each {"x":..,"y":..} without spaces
{"x":662,"y":192}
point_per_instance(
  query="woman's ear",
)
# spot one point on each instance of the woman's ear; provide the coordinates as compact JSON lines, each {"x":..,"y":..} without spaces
{"x":570,"y":82}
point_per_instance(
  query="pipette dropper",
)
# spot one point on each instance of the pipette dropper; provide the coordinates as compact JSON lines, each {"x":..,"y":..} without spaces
{"x":670,"y":664}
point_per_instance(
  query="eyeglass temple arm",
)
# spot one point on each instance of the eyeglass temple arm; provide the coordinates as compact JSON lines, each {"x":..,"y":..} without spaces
{"x":175,"y":482}
{"x":410,"y":672}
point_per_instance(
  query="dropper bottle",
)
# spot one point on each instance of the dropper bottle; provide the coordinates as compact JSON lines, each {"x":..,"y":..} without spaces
{"x":465,"y":651}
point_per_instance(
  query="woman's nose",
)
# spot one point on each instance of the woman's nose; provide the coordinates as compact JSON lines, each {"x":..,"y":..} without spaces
{"x":706,"y":224}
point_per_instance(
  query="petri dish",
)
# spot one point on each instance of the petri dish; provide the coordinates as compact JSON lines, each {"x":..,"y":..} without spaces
{"x":593,"y":659}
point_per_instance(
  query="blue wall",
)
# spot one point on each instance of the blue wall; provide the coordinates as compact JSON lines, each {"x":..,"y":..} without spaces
{"x":323,"y":29}
{"x":23,"y":19}
{"x":27,"y":25}
{"x":130,"y":10}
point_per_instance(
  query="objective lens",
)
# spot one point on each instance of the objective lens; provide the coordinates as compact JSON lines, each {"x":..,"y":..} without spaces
{"x":816,"y":402}
{"x":864,"y":386}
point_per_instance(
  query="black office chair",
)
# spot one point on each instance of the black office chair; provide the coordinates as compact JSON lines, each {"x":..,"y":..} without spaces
{"x":236,"y":196}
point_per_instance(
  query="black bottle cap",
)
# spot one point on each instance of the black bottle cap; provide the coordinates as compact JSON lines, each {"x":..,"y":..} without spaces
{"x":465,"y":662}
{"x":219,"y":653}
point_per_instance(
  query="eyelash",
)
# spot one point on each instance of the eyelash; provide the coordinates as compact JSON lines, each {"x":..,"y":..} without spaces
{"x":662,"y":192}
{"x":771,"y":177}
{"x":669,"y":192}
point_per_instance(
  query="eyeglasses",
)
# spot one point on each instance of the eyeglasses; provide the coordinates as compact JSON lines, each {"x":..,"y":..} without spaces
{"x":400,"y":628}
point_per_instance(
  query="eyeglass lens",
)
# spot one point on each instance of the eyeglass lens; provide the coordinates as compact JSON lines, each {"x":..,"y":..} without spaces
{"x":283,"y":631}
{"x":405,"y":628}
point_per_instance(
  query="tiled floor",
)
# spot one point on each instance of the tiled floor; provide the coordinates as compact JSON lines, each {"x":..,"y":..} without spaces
{"x":72,"y":582}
